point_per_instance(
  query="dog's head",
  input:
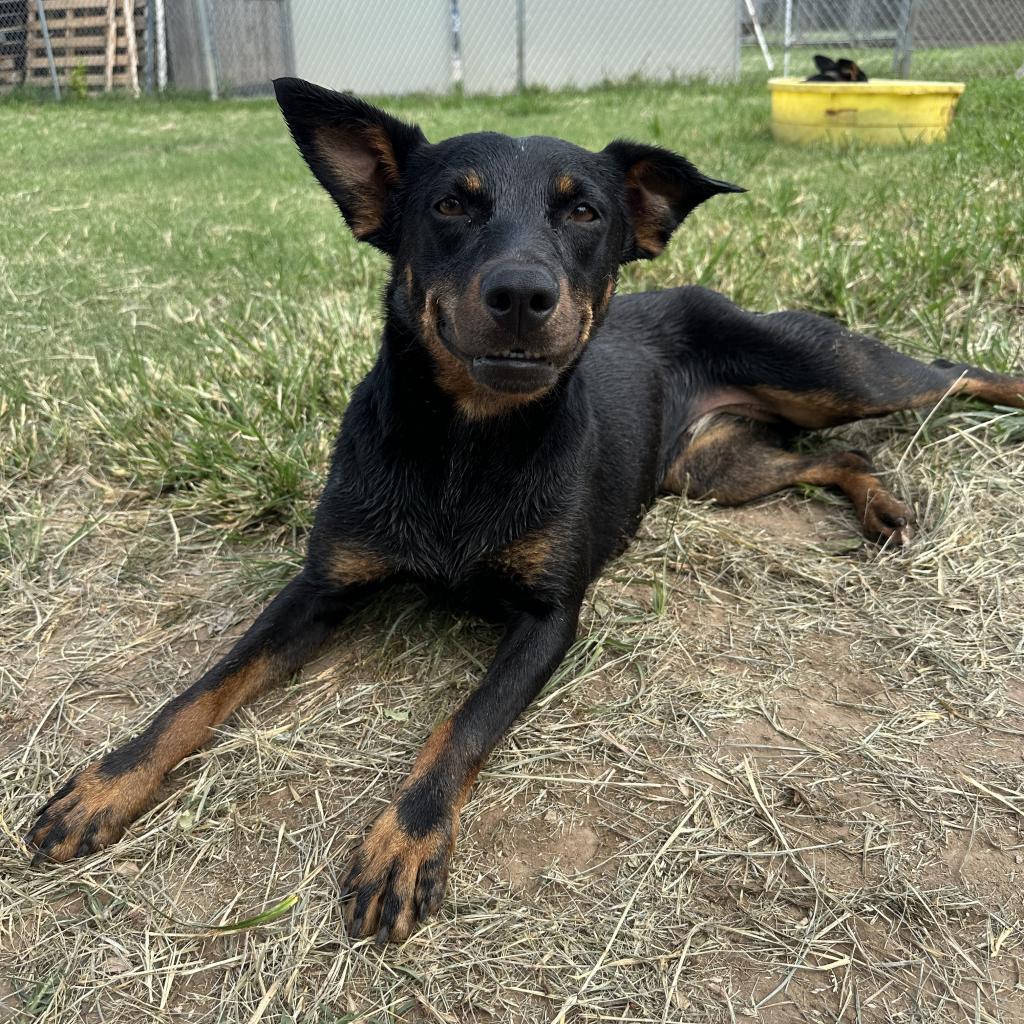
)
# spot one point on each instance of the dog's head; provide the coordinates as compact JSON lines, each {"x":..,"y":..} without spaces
{"x":842,"y":70}
{"x":505,"y":250}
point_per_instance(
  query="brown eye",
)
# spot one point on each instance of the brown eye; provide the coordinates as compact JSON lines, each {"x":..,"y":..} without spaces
{"x":450,"y":207}
{"x":583,"y":213}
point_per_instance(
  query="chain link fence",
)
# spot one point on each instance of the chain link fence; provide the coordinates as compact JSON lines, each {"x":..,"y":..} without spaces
{"x":931,"y":39}
{"x":236,"y":47}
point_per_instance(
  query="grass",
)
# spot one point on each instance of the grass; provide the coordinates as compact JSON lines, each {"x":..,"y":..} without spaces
{"x":778,"y":778}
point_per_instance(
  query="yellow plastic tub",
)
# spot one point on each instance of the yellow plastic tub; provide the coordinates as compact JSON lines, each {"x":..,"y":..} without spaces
{"x":882,"y":110}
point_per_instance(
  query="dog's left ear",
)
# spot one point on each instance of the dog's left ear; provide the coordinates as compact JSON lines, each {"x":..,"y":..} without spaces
{"x":662,"y":188}
{"x":357,"y":152}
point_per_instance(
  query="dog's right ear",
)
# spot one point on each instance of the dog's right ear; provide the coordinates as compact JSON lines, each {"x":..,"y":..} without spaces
{"x":357,"y":152}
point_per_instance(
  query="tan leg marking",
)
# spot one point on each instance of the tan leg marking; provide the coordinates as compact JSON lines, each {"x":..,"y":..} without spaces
{"x":397,"y":879}
{"x":527,"y":557}
{"x":730,"y":463}
{"x":818,"y":409}
{"x":348,"y":564}
{"x":96,"y":806}
{"x":881,"y":515}
{"x":1007,"y":391}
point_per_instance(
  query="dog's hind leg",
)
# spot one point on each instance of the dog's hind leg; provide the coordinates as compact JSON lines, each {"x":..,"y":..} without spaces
{"x":813,"y":372}
{"x":733,"y":460}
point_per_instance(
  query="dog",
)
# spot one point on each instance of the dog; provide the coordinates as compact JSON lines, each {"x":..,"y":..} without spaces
{"x":518,"y":422}
{"x":842,"y":70}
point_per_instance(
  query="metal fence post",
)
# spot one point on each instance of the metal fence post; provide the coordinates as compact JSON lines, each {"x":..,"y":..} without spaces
{"x":787,"y":37}
{"x":49,"y":48}
{"x":161,"y":45}
{"x":904,"y":40}
{"x":206,"y":42}
{"x":520,"y":45}
{"x":288,"y":39}
{"x":150,"y":46}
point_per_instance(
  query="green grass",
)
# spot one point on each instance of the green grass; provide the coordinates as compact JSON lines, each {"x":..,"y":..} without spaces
{"x":185,"y":310}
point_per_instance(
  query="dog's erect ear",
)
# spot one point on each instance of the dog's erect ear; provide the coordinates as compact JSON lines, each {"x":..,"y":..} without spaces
{"x":824,"y":64}
{"x":662,"y":188}
{"x":850,"y":71}
{"x":357,"y":152}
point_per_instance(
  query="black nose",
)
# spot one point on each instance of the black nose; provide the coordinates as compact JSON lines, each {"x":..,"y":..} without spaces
{"x":519,"y":298}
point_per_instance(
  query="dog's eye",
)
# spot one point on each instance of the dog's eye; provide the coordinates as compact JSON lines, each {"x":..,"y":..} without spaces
{"x":583,"y":213}
{"x":450,"y":207}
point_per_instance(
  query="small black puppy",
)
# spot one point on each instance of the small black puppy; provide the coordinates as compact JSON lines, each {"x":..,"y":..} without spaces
{"x":842,"y":70}
{"x":517,"y":424}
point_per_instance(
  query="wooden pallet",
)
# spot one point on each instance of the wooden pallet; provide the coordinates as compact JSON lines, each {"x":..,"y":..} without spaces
{"x":10,"y":74}
{"x":80,"y":39}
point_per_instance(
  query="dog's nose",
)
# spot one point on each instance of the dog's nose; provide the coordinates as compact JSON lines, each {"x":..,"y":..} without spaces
{"x":519,"y":298}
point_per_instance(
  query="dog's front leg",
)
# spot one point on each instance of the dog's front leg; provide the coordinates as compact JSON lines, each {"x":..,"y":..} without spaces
{"x":398,"y":875}
{"x":95,"y":807}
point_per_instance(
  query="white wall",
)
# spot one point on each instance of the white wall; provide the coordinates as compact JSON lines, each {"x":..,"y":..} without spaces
{"x":385,"y":47}
{"x":489,"y":45}
{"x":586,"y":42}
{"x":400,"y":46}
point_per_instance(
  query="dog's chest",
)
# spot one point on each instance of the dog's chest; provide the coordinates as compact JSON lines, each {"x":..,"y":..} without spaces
{"x":450,"y":522}
{"x":446,"y":533}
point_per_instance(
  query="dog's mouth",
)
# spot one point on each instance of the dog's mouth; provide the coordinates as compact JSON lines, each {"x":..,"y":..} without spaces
{"x":513,"y":370}
{"x":515,"y":373}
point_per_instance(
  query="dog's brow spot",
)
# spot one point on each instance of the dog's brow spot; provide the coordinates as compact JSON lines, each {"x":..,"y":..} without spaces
{"x":565,"y":185}
{"x":472,"y":183}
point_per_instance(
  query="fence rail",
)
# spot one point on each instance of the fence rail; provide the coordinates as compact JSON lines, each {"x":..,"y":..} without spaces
{"x":491,"y":46}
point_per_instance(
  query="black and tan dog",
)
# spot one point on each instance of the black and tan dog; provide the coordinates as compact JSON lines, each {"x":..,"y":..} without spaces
{"x":842,"y":70}
{"x":504,"y":447}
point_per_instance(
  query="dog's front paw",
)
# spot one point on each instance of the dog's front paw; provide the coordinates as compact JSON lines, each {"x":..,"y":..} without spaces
{"x":88,"y":813}
{"x":887,"y":519}
{"x":396,"y":879}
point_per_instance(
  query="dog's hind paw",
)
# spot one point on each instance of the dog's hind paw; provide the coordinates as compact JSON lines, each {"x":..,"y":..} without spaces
{"x":888,"y":520}
{"x":395,"y":880}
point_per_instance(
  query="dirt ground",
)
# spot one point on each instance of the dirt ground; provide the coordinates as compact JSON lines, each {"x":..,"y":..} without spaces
{"x":778,"y":779}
